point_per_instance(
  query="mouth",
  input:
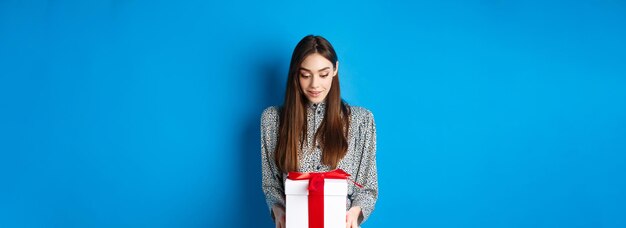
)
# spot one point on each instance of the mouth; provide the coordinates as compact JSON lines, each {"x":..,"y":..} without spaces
{"x":314,"y":93}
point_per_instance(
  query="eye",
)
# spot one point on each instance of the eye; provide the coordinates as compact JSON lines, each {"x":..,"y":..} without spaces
{"x":305,"y":75}
{"x":324,"y":75}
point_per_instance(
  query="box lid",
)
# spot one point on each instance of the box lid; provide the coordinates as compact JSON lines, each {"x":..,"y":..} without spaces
{"x":331,"y":187}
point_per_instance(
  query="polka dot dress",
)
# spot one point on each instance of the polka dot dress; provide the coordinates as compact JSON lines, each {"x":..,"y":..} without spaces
{"x":360,"y":161}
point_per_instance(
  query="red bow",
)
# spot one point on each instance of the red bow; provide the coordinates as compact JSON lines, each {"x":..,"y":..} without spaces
{"x":316,"y":192}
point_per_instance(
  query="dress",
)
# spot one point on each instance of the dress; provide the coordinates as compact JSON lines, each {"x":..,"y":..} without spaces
{"x":360,"y":160}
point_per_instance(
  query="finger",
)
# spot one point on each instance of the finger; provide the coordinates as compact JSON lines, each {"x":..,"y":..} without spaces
{"x":348,"y":221}
{"x":354,"y":224}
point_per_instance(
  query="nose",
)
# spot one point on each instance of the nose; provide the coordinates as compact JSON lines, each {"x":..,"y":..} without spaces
{"x":314,"y":82}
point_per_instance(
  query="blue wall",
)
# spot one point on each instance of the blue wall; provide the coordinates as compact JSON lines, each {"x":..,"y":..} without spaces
{"x":146,"y":113}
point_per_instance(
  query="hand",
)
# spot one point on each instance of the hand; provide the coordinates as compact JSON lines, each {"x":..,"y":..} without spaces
{"x":352,"y":217}
{"x":279,"y":216}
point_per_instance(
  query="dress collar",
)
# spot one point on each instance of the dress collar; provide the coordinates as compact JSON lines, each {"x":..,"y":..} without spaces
{"x":317,"y":106}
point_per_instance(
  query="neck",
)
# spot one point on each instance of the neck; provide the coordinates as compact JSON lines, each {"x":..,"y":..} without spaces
{"x":309,"y":103}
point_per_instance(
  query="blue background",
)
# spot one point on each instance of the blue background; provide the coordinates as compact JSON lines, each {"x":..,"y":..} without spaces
{"x":146,"y":113}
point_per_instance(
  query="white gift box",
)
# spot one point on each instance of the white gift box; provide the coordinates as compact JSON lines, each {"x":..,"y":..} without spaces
{"x":297,"y":210}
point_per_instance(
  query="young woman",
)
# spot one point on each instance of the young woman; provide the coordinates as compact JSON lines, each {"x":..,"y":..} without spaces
{"x":316,"y":131}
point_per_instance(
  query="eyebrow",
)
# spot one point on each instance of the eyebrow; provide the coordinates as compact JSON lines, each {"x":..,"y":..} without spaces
{"x":325,"y":68}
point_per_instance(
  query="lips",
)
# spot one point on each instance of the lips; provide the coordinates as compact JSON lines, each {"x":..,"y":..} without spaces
{"x":315,"y":93}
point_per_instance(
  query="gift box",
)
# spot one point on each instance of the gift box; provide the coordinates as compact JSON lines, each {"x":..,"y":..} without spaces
{"x":316,"y":200}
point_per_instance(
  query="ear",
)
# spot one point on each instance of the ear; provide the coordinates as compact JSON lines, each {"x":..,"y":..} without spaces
{"x":336,"y":69}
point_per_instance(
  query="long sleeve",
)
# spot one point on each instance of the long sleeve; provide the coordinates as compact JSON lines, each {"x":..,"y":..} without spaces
{"x":367,"y":175}
{"x":272,"y":177}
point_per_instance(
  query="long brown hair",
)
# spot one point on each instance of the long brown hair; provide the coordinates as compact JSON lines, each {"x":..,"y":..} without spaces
{"x":332,"y":132}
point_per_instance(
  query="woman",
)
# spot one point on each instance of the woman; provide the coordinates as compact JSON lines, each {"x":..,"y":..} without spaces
{"x":316,"y":131}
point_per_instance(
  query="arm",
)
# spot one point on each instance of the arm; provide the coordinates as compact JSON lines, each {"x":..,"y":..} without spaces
{"x":367,"y":175}
{"x":272,"y":177}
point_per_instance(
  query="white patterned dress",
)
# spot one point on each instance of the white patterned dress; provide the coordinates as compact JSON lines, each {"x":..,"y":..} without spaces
{"x":360,"y":160}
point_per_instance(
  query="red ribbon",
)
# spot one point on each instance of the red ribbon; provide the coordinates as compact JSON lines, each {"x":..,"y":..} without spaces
{"x":316,"y":192}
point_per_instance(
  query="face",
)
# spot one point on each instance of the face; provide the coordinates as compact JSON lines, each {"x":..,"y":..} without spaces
{"x":316,"y":77}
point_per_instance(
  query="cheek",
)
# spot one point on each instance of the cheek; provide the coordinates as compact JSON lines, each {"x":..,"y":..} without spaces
{"x":328,"y":83}
{"x":302,"y":82}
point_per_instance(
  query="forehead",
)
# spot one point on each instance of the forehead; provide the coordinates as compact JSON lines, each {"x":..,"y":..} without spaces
{"x":315,"y":62}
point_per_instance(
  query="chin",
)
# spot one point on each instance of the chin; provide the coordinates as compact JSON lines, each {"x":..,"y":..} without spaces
{"x":316,"y":99}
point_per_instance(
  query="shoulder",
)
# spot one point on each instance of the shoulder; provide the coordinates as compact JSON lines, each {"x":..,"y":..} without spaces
{"x":270,"y":114}
{"x":270,"y":111}
{"x":361,"y":118}
{"x":361,"y":113}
